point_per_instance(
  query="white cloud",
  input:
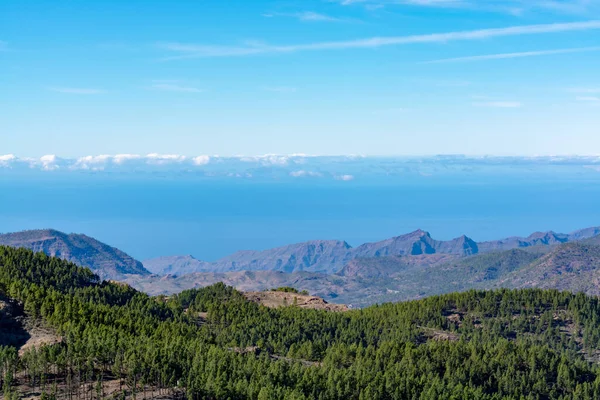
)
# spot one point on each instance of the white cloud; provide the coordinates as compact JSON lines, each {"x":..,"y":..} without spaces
{"x":313,"y":16}
{"x":7,"y":159}
{"x":72,"y":90}
{"x":302,"y":174}
{"x":171,"y":87}
{"x":590,"y":90}
{"x":92,"y":162}
{"x":195,"y":51}
{"x":591,"y":99}
{"x":567,"y":6}
{"x":305,"y":16}
{"x":296,"y":167}
{"x":512,"y":7}
{"x":161,"y":159}
{"x":49,"y":162}
{"x":103,"y":161}
{"x":268,"y":159}
{"x":239,"y":175}
{"x":94,"y":159}
{"x":201,"y":160}
{"x":427,"y":3}
{"x":302,"y":155}
{"x":121,"y":158}
{"x":514,"y":55}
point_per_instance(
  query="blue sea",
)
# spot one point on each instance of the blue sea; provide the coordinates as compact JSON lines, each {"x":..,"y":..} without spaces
{"x":150,"y":214}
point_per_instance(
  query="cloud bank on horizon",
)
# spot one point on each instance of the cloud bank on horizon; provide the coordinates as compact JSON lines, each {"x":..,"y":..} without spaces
{"x":298,"y":167}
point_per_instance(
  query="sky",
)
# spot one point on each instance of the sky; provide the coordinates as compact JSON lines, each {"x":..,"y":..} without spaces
{"x":319,"y":77}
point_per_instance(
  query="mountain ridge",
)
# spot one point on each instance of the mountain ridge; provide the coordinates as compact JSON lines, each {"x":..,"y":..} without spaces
{"x":331,"y":256}
{"x":409,"y":266}
{"x":571,"y":266}
{"x":176,"y":265}
{"x":106,"y":261}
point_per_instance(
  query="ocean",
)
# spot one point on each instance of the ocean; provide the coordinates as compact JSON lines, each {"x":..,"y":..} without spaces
{"x":158,"y":214}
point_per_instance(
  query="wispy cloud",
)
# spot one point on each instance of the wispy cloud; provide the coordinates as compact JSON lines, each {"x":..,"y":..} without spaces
{"x":174,"y":87}
{"x":567,"y":6}
{"x":345,"y":178}
{"x":74,"y":90}
{"x":585,"y":90}
{"x":304,"y":174}
{"x":498,"y":104}
{"x":197,"y":51}
{"x":503,"y":56}
{"x":305,"y":16}
{"x":316,"y":17}
{"x":590,"y":99}
{"x":489,"y":5}
{"x":513,"y":7}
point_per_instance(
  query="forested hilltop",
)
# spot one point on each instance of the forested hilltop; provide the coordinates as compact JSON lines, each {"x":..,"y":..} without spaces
{"x":212,"y":343}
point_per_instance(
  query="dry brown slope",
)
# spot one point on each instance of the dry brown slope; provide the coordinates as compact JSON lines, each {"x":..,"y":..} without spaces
{"x":276,"y":299}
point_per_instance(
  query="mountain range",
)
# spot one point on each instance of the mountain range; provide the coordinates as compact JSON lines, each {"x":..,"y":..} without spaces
{"x":405,"y":267}
{"x":331,"y":256}
{"x":570,"y":266}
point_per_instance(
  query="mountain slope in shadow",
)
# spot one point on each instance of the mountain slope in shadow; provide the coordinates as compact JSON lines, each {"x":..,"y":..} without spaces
{"x":106,"y":261}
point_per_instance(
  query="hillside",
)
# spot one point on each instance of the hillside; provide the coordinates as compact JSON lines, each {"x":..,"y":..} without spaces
{"x":366,"y":281}
{"x":176,"y":265}
{"x":535,"y":239}
{"x":386,"y":267}
{"x":104,"y":260}
{"x":363,"y":282}
{"x":595,"y":240}
{"x":214,"y":343}
{"x":333,"y":288}
{"x":315,"y":256}
{"x":574,"y":267}
{"x":571,"y":266}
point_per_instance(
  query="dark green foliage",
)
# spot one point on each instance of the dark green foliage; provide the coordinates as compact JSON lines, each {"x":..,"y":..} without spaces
{"x":506,"y":344}
{"x":208,"y":298}
{"x":288,"y":289}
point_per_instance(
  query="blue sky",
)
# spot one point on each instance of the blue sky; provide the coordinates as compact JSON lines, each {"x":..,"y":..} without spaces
{"x":373,"y":77}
